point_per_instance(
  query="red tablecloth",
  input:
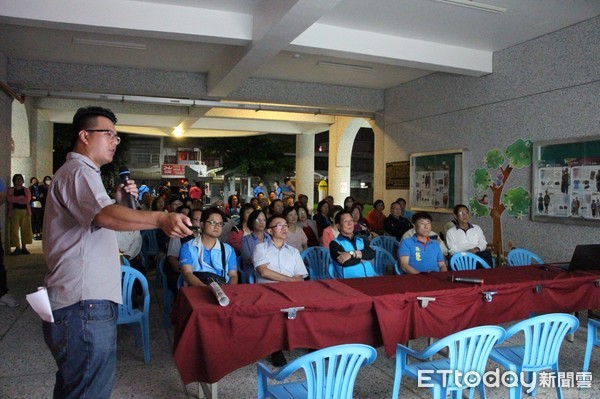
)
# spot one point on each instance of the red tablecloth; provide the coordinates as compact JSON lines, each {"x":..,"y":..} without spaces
{"x":212,"y":341}
{"x":460,"y":305}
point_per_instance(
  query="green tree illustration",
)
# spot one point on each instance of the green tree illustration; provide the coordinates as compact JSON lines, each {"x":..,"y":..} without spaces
{"x":492,"y":179}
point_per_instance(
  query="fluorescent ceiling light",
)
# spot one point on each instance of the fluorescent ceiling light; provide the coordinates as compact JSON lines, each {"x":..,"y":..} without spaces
{"x":475,"y":5}
{"x":347,"y":67}
{"x":107,"y":43}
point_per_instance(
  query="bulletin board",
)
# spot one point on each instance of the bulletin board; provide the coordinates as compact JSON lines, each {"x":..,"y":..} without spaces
{"x":437,"y":180}
{"x":566,"y":181}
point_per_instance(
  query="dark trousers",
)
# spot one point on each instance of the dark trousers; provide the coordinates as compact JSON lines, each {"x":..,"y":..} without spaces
{"x":37,"y":217}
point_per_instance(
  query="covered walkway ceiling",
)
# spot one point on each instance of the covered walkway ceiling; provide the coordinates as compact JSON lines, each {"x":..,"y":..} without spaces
{"x":351,"y":44}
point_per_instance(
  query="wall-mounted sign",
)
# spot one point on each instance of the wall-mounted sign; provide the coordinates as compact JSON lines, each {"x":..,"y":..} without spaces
{"x":172,"y":170}
{"x":397,"y":175}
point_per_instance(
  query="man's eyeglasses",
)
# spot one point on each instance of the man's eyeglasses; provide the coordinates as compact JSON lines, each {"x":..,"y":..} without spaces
{"x":214,"y":223}
{"x":107,"y":133}
{"x":280,"y":226}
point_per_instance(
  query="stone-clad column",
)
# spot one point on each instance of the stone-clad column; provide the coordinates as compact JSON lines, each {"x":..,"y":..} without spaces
{"x":5,"y":139}
{"x":341,"y":138}
{"x":305,"y":166}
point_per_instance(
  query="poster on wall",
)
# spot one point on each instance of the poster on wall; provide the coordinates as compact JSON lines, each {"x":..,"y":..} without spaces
{"x":437,"y":180}
{"x":566,"y":181}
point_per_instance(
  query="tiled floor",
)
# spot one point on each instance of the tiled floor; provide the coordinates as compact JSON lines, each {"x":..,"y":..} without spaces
{"x":27,"y":368}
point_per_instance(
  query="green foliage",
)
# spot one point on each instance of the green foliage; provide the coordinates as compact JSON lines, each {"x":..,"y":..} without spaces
{"x":257,"y":155}
{"x":477,"y":208}
{"x":494,"y":158}
{"x":519,"y":153}
{"x":517,"y":202}
{"x":482,"y":179}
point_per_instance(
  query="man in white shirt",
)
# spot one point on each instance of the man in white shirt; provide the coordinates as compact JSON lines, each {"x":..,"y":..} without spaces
{"x":467,"y":237}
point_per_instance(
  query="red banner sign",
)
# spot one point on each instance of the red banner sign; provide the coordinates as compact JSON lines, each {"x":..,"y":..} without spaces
{"x":172,"y":169}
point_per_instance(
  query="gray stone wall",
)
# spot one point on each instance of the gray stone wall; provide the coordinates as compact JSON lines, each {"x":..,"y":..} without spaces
{"x":544,"y":89}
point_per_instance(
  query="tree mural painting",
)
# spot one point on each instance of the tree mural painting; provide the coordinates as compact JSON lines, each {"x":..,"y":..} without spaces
{"x":515,"y":201}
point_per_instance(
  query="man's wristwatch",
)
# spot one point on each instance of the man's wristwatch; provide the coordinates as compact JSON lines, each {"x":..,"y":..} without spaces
{"x":352,"y":254}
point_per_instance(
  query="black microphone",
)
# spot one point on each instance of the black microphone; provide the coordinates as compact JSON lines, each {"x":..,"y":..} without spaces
{"x":124,"y":175}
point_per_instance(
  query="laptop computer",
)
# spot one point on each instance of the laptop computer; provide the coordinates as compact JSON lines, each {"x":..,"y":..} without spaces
{"x":585,"y":257}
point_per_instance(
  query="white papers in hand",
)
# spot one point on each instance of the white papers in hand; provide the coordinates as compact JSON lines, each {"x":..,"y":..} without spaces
{"x":220,"y":294}
{"x":40,"y":303}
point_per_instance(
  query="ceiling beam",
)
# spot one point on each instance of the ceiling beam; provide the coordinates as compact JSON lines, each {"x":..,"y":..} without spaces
{"x":394,"y":50}
{"x":276,"y":24}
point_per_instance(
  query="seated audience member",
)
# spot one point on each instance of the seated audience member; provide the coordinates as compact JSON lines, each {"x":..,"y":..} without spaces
{"x":272,"y":196}
{"x":263,"y":203}
{"x":307,"y":225}
{"x":330,"y":201}
{"x":322,"y":216}
{"x":405,"y":211}
{"x":174,"y":203}
{"x":254,"y":203}
{"x":375,"y":217}
{"x":130,"y":246}
{"x":295,"y":235}
{"x":433,"y":235}
{"x":241,"y":229}
{"x":257,"y":223}
{"x":349,"y":203}
{"x":467,"y":237}
{"x":276,"y":207}
{"x":205,"y":258}
{"x":395,"y":224}
{"x":185,"y":209}
{"x":304,"y":199}
{"x":288,"y":201}
{"x":330,"y":233}
{"x":351,"y":257}
{"x":360,"y":225}
{"x":276,"y":261}
{"x":232,"y":207}
{"x":172,"y":269}
{"x":419,"y":253}
{"x":146,"y":204}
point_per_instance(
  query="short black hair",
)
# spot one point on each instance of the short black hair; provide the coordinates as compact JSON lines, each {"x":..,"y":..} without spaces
{"x":273,"y":217}
{"x":272,"y":205}
{"x":419,"y":216}
{"x":85,"y":118}
{"x":252,"y":218}
{"x":17,"y":175}
{"x":287,"y":210}
{"x":457,"y":208}
{"x":377,"y":203}
{"x":339,"y":215}
{"x":211,"y":211}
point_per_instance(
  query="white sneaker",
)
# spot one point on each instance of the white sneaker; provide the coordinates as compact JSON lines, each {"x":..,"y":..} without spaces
{"x":9,"y":300}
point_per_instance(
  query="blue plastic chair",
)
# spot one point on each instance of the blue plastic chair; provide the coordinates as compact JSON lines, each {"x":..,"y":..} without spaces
{"x":592,"y":340}
{"x":167,"y":294}
{"x":388,"y":243}
{"x":522,"y":257}
{"x":318,"y":263}
{"x":466,"y":261}
{"x":382,"y":260}
{"x":543,"y":336}
{"x":149,"y":245}
{"x":330,"y":373}
{"x":129,"y":315}
{"x":468,"y":351}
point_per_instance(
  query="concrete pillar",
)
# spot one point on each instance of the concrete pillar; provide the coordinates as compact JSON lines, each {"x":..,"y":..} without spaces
{"x":44,"y":145}
{"x":379,"y":163}
{"x":5,"y":138}
{"x":341,"y":138}
{"x":22,"y":161}
{"x":305,"y":166}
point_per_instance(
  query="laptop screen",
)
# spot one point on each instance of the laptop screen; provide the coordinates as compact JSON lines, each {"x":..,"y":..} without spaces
{"x":585,"y":257}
